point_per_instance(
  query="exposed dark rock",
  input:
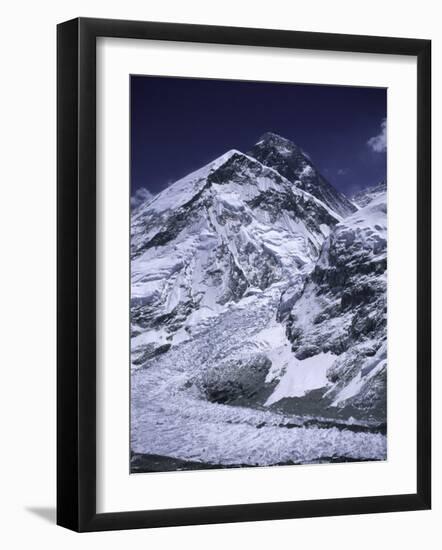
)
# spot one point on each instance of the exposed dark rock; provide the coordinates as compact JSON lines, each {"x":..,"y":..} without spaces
{"x":290,"y":161}
{"x":235,"y":380}
{"x":150,"y":351}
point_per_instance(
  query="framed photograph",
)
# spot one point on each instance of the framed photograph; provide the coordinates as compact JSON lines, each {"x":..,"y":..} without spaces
{"x":243,"y":274}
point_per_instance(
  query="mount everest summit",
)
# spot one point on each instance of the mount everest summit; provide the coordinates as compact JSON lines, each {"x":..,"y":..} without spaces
{"x":258,"y":317}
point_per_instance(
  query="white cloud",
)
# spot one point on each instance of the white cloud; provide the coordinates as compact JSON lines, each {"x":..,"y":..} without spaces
{"x":141,"y":195}
{"x":378,"y":143}
{"x":342,"y":171}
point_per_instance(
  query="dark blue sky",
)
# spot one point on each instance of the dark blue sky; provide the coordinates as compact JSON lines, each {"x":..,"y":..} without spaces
{"x":180,"y":124}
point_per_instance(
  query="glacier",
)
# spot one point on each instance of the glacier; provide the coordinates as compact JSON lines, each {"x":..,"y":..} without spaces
{"x":258,"y":317}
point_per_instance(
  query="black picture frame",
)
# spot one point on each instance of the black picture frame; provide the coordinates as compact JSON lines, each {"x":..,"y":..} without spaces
{"x":76,"y":274}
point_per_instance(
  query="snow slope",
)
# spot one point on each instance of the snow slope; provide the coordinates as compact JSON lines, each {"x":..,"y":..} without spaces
{"x":365,"y":196}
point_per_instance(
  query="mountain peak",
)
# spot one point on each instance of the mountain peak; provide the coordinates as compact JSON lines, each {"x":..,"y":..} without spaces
{"x":270,"y":136}
{"x":271,"y":139}
{"x":271,"y":144}
{"x":226,"y":156}
{"x":294,"y":164}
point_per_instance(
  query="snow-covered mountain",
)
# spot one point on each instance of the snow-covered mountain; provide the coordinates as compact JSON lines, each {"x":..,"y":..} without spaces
{"x":362,"y":198}
{"x":293,"y":163}
{"x":226,"y":354}
{"x":343,"y":311}
{"x":231,"y":229}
